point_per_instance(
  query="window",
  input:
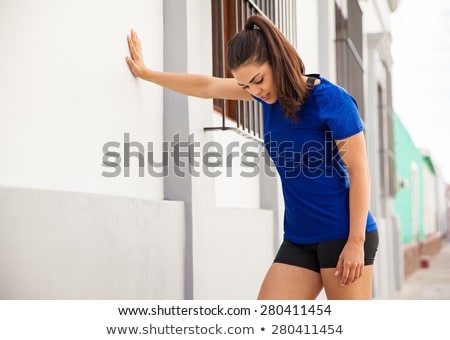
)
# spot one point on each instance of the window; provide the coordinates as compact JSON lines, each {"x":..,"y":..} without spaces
{"x":349,"y":46}
{"x":385,"y":114}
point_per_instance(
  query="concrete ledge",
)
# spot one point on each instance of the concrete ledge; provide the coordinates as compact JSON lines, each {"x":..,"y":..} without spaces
{"x":67,"y":245}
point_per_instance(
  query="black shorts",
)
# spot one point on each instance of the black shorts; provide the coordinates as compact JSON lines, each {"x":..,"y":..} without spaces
{"x":323,"y":255}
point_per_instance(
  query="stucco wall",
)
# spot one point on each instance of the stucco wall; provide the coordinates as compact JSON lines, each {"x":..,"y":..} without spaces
{"x":66,"y":229}
{"x":63,"y":245}
{"x":65,"y":91}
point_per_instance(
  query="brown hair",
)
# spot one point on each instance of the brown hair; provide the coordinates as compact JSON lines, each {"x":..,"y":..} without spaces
{"x":260,"y":42}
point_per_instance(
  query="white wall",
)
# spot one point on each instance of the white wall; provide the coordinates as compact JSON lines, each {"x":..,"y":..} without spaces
{"x":237,"y":185}
{"x":377,"y":15}
{"x":236,"y":254}
{"x":308,"y":34}
{"x":60,"y":245}
{"x":429,"y":200}
{"x":66,"y":231}
{"x":441,"y":202}
{"x":316,"y":34}
{"x":65,"y":90}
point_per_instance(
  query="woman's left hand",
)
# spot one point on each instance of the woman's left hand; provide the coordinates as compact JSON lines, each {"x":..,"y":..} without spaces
{"x":351,"y":262}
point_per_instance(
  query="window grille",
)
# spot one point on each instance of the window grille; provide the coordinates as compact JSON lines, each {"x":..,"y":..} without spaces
{"x":349,"y":51}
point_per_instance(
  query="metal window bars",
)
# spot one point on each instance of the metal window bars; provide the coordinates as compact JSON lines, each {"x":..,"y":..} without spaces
{"x":349,"y":52}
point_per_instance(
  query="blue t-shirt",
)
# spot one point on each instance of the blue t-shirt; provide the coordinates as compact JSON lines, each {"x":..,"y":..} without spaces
{"x":314,"y":178}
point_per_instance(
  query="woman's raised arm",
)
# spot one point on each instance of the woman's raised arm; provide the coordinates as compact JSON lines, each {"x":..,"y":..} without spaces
{"x":196,"y":85}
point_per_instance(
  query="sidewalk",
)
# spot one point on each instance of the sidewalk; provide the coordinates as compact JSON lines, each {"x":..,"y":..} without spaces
{"x":432,"y":283}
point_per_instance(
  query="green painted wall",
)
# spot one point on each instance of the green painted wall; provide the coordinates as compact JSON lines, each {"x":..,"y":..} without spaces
{"x":409,"y":198}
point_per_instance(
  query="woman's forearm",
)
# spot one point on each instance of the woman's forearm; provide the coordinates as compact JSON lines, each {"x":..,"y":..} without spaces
{"x":359,"y":202}
{"x":188,"y":84}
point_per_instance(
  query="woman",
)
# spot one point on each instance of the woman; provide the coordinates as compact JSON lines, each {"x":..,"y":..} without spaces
{"x":315,"y":137}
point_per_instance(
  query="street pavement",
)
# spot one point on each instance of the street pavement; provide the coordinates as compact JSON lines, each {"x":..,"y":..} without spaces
{"x":432,"y":283}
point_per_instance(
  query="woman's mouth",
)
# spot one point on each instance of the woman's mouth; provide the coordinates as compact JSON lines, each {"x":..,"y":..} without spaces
{"x":265,"y":97}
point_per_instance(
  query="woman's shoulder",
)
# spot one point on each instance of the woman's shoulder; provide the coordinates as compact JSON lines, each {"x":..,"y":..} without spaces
{"x":329,"y":92}
{"x":325,"y":86}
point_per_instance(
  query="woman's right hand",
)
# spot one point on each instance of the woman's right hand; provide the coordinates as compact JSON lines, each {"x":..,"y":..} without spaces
{"x":135,"y":61}
{"x":196,"y":85}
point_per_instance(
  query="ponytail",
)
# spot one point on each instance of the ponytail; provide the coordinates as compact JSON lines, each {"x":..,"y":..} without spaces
{"x":262,"y":42}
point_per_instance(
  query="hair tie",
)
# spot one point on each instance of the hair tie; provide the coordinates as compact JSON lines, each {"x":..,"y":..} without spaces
{"x":249,"y":27}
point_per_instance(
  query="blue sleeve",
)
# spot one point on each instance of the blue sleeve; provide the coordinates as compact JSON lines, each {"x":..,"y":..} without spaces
{"x":340,"y":113}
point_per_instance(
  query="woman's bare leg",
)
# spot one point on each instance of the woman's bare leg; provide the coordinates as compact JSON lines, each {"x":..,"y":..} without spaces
{"x":287,"y":282}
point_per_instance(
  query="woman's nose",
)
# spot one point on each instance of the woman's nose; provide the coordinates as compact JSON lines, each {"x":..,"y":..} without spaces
{"x":255,"y":90}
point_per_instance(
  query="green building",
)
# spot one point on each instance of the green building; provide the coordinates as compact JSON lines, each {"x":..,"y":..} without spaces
{"x":409,"y":197}
{"x":416,"y":200}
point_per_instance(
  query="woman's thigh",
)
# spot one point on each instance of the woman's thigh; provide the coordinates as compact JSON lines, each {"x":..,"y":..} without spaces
{"x":361,"y":289}
{"x":288,"y":282}
{"x":329,"y":252}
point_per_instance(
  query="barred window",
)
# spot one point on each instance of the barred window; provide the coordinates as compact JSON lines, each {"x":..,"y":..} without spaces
{"x":349,"y":50}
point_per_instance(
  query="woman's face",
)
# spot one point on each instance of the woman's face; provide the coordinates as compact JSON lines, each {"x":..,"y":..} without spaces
{"x":257,"y":79}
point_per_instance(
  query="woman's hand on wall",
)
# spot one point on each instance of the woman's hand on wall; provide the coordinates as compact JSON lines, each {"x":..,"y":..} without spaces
{"x":136,"y":60}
